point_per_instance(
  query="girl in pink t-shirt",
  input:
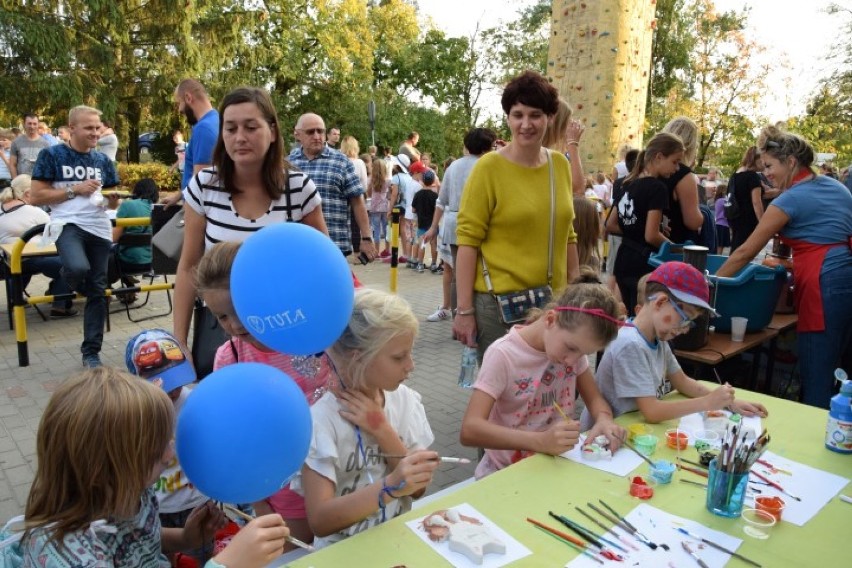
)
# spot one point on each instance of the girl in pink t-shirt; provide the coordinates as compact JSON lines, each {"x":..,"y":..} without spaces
{"x":311,"y":373}
{"x":513,"y":411}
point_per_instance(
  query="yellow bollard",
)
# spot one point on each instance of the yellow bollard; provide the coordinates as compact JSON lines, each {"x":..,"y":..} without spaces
{"x":394,"y":272}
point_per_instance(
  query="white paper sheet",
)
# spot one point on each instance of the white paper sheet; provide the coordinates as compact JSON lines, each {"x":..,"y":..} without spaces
{"x":695,"y":422}
{"x":514,"y":549}
{"x":659,"y":527}
{"x":814,"y":486}
{"x":622,"y":463}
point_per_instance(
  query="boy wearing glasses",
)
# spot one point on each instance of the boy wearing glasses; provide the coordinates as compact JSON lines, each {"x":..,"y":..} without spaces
{"x":638,"y":369}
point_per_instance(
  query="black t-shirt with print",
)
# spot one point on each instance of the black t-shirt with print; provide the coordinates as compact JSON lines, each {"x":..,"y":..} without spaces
{"x":640,"y":196}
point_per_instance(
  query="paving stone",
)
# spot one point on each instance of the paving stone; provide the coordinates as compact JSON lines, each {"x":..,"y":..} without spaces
{"x":19,"y":474}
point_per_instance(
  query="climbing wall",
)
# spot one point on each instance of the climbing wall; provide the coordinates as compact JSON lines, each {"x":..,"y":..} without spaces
{"x":599,"y":58}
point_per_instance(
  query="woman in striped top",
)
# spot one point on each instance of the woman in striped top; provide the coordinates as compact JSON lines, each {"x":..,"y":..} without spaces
{"x":250,"y":186}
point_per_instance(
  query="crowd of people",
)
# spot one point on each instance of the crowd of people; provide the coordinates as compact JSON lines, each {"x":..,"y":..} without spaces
{"x":516,"y":238}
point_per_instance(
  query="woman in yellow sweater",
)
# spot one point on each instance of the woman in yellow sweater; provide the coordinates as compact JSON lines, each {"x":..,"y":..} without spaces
{"x":505,"y":216}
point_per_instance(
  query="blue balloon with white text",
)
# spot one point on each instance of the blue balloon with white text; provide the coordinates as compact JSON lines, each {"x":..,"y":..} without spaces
{"x":243,"y":433}
{"x":292,"y":289}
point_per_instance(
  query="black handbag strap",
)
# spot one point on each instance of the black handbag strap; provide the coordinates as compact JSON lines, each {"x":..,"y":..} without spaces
{"x":485,"y":273}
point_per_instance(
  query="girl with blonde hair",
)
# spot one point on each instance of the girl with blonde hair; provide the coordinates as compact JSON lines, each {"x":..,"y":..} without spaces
{"x":563,"y":135}
{"x":378,"y":193}
{"x":587,"y":225}
{"x":354,"y":476}
{"x":102,"y":442}
{"x":683,"y":214}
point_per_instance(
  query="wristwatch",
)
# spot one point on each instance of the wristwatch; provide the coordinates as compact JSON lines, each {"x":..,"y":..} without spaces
{"x":69,"y":193}
{"x":365,"y":239}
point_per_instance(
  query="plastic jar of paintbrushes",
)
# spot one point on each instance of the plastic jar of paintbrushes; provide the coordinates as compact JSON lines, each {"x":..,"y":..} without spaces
{"x":726,"y":490}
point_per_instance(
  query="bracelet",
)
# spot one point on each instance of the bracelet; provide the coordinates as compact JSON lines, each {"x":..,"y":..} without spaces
{"x":469,"y":312}
{"x":573,"y":142}
{"x":365,"y":239}
{"x":388,"y":489}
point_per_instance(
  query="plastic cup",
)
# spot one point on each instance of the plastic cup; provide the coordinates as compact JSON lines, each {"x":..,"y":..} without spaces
{"x":662,"y":471}
{"x":772,"y":505}
{"x":646,"y":444}
{"x":637,"y":429}
{"x":677,"y":439}
{"x":738,"y":328}
{"x":757,"y":524}
{"x":725,"y":491}
{"x":642,"y":488}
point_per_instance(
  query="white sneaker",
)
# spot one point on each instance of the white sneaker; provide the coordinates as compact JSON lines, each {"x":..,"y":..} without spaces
{"x":441,"y":315}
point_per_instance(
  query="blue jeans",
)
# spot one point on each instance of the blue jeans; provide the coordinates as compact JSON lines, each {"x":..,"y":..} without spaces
{"x":50,"y":266}
{"x":820,"y":351}
{"x":84,"y":267}
{"x":379,"y":225}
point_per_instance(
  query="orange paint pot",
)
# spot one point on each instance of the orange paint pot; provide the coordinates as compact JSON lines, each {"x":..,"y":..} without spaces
{"x":677,"y":439}
{"x":772,"y":505}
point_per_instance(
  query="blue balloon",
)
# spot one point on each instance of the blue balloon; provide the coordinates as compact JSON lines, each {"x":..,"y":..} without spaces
{"x":243,"y":433}
{"x":292,"y":289}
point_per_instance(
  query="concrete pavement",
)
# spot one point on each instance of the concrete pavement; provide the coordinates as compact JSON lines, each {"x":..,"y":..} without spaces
{"x":54,"y":348}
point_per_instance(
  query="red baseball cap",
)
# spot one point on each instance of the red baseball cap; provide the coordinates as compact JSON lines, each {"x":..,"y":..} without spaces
{"x":685,"y":282}
{"x":417,"y":168}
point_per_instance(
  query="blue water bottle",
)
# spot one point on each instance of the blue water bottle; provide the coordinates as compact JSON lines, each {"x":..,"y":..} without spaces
{"x":838,"y":431}
{"x":467,"y":372}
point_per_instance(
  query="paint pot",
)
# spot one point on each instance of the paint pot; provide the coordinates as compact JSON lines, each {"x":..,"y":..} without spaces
{"x":638,"y":429}
{"x":642,"y":488}
{"x":709,"y":438}
{"x":677,"y":439}
{"x":706,"y":454}
{"x":646,"y":444}
{"x":662,"y":471}
{"x":757,"y":524}
{"x":772,"y":505}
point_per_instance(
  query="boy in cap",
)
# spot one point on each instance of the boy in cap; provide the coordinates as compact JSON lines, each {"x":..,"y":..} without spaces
{"x":638,"y":369}
{"x":155,"y":355}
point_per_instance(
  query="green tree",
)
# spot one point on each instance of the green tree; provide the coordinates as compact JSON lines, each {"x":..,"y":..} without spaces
{"x":116,"y":55}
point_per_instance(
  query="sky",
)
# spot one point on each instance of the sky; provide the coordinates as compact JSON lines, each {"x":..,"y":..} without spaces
{"x":798,"y":36}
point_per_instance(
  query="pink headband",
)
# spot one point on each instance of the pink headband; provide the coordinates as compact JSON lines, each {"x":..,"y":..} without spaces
{"x":594,"y":312}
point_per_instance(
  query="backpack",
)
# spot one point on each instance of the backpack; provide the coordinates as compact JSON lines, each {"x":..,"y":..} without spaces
{"x":731,"y":206}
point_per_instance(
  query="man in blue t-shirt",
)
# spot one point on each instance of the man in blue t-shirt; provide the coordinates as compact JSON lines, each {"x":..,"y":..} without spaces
{"x":192,"y":100}
{"x":70,"y":179}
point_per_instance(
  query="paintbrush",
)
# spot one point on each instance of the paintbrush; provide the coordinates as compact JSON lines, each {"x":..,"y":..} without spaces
{"x":694,"y":555}
{"x":575,"y":543}
{"x":718,"y":546}
{"x":690,"y":462}
{"x":776,"y":486}
{"x":442,"y":459}
{"x":247,"y":517}
{"x":692,"y":470}
{"x":607,"y":529}
{"x":614,"y":520}
{"x":562,"y":412}
{"x":637,"y":452}
{"x":594,"y":539}
{"x":693,"y":483}
{"x":636,"y":532}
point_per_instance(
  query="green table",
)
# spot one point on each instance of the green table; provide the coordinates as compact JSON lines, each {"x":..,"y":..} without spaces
{"x":541,"y":483}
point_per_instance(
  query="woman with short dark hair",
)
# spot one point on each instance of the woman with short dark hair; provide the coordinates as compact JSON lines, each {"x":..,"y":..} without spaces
{"x":505,"y":216}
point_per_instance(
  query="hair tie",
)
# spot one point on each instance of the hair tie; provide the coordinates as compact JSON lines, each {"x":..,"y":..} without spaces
{"x":597,"y":312}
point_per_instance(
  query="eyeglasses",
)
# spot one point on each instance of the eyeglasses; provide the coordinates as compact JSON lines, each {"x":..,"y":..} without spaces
{"x":312,"y":131}
{"x":685,"y":321}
